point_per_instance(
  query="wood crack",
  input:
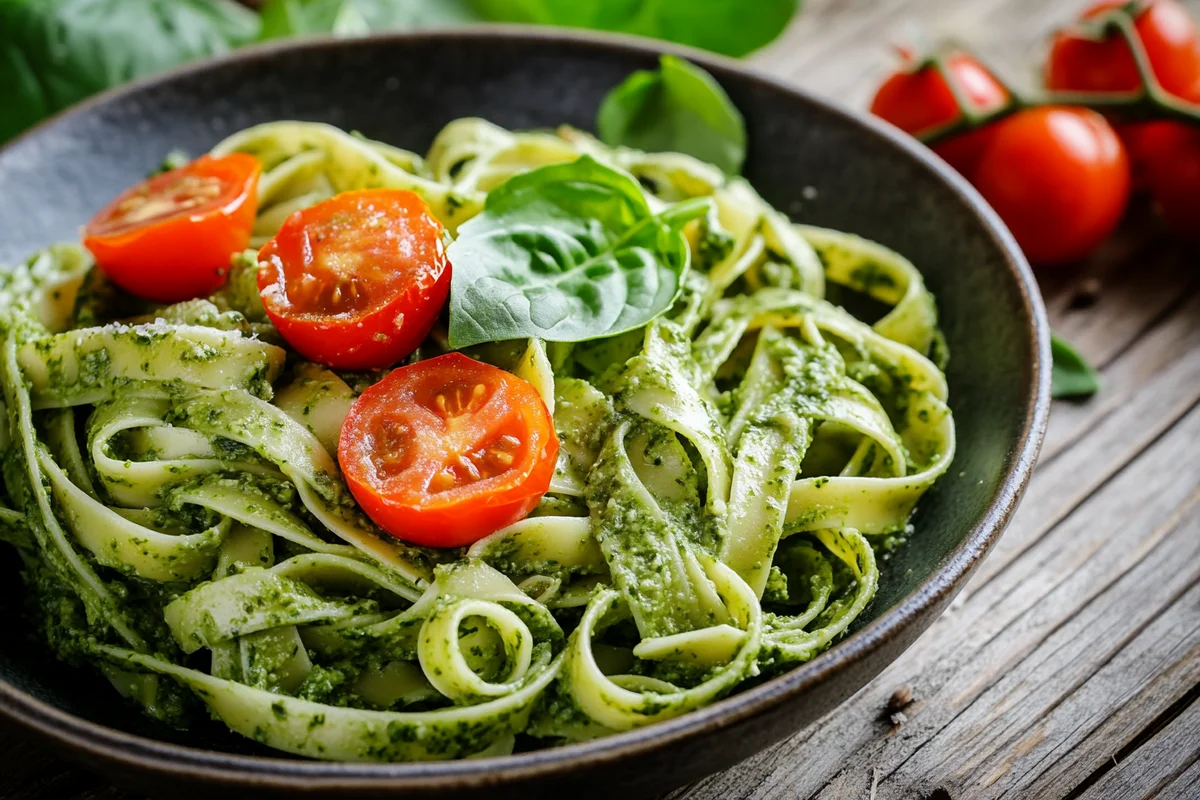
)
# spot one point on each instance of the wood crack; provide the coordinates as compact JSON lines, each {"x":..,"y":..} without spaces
{"x":1159,"y":723}
{"x":1076,"y":504}
{"x":1001,"y":673}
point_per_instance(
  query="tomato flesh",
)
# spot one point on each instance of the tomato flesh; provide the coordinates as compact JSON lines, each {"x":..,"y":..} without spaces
{"x":1059,"y":178}
{"x":170,"y":238}
{"x":356,"y":281}
{"x":920,"y":101}
{"x":446,"y":451}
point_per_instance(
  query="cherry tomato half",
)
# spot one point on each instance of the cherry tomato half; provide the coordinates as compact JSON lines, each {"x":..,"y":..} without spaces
{"x":170,"y":238}
{"x":1172,"y":43}
{"x":446,"y":451}
{"x":356,"y":281}
{"x":919,"y":101}
{"x":1058,"y":177}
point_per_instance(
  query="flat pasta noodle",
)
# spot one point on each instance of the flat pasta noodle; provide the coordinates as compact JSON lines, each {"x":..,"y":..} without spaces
{"x":726,"y":475}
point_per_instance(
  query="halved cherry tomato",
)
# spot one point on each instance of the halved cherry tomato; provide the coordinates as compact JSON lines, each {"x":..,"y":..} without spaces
{"x":1058,"y":177}
{"x":1172,"y":43}
{"x":171,"y":237}
{"x":919,"y":101}
{"x":356,"y":281}
{"x":446,"y":451}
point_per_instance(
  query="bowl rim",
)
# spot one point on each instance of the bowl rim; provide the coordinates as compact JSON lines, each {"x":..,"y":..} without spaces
{"x":95,"y":742}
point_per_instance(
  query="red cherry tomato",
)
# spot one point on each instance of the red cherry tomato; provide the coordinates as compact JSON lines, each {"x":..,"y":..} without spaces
{"x":1058,"y":177}
{"x":1161,"y":152}
{"x":919,"y":101}
{"x":170,"y":238}
{"x":446,"y":451}
{"x":1170,"y":156}
{"x":1172,"y":43}
{"x":356,"y":281}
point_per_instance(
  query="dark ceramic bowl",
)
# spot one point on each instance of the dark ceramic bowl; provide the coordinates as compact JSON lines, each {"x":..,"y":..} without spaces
{"x":402,"y":89}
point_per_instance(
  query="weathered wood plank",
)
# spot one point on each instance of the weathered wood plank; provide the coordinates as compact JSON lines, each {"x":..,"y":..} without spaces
{"x":969,"y":650}
{"x":984,"y":750}
{"x":1168,"y":649}
{"x":1170,"y":754}
{"x":1185,"y":786}
{"x":1129,"y":301}
{"x":1123,"y":377}
{"x":1148,"y":389}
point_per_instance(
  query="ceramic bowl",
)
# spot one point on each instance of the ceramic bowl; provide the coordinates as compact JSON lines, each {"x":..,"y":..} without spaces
{"x":821,"y":164}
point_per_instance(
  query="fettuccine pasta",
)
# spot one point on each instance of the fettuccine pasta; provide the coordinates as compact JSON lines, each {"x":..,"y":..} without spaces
{"x":726,"y":474}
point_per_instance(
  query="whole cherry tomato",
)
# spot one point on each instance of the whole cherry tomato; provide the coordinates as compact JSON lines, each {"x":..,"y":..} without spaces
{"x":1172,"y":42}
{"x":1168,"y":33}
{"x":356,"y":281}
{"x":918,"y":100}
{"x":445,"y":451}
{"x":1170,"y":156}
{"x":170,"y":238}
{"x":1058,"y":177}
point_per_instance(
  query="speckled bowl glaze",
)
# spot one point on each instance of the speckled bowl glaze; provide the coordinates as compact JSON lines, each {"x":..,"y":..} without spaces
{"x":821,"y":164}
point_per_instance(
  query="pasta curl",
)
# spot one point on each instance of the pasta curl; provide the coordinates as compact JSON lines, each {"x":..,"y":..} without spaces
{"x":726,"y":476}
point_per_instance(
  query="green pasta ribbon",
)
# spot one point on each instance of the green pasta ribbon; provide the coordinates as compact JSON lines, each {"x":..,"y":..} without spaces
{"x":734,"y":452}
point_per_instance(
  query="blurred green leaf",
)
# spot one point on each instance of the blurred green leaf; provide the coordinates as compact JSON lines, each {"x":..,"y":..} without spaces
{"x":732,"y":27}
{"x":677,"y":108}
{"x":357,"y":17}
{"x":1071,"y":374}
{"x":57,"y":52}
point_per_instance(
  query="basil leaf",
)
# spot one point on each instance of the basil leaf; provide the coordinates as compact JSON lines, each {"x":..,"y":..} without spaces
{"x":565,"y":253}
{"x":356,"y":17}
{"x":1071,"y":374}
{"x":732,"y":27}
{"x":56,"y":52}
{"x":26,"y":102}
{"x":678,"y":108}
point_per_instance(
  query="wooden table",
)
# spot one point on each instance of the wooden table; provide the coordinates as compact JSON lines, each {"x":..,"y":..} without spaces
{"x":1070,"y":666}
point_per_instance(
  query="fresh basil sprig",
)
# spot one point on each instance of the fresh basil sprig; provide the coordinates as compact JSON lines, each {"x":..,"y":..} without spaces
{"x":677,"y":108}
{"x":565,"y":253}
{"x":56,"y":52}
{"x":1071,"y":375}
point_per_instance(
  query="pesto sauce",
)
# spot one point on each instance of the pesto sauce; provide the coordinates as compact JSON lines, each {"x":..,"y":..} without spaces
{"x":745,"y":384}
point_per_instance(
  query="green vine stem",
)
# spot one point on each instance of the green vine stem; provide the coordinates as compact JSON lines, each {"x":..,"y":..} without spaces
{"x":1148,"y":102}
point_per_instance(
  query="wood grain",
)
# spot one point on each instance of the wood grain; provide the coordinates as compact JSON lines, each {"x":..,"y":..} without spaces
{"x":1070,"y":665}
{"x":1079,"y":634}
{"x":1170,"y":754}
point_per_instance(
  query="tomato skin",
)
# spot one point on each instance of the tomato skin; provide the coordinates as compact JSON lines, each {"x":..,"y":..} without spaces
{"x":1059,"y":178}
{"x":402,"y":453}
{"x":1172,"y":43}
{"x":407,"y":285}
{"x":185,"y":252}
{"x":920,"y":101}
{"x":1170,"y":156}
